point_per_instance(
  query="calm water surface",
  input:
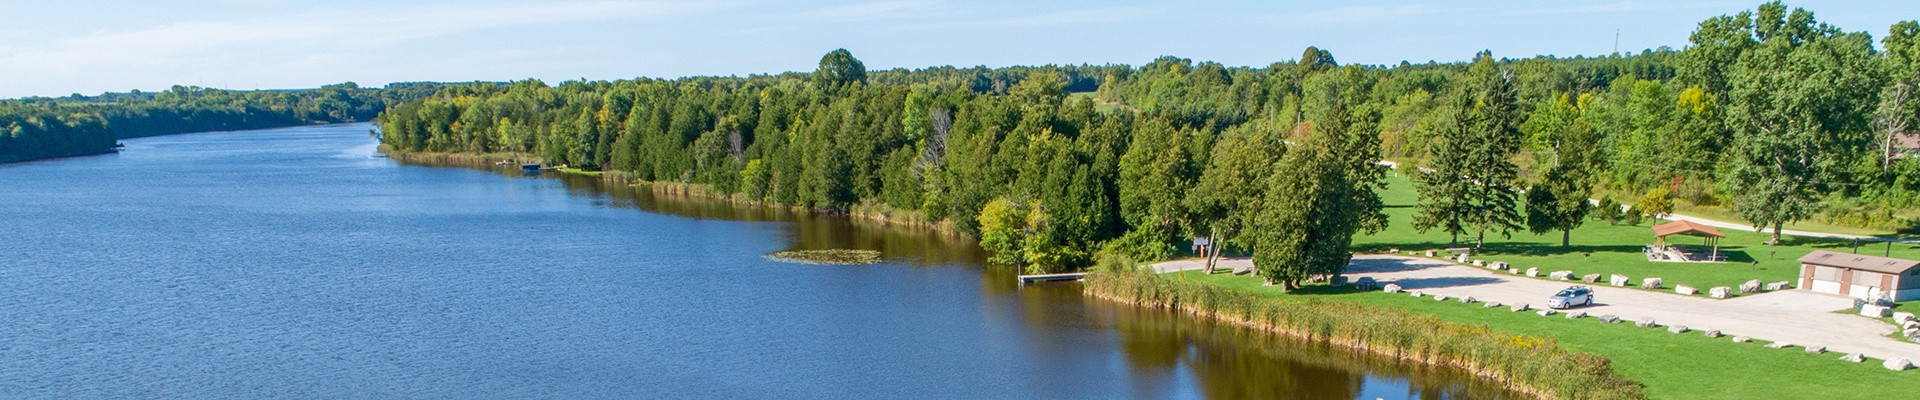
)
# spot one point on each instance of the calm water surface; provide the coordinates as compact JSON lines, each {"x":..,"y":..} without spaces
{"x":293,"y":263}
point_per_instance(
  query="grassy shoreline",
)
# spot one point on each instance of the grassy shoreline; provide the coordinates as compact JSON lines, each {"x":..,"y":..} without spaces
{"x":1536,"y":366}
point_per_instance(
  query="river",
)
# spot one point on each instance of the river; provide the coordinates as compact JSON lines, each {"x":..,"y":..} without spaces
{"x":296,"y":263}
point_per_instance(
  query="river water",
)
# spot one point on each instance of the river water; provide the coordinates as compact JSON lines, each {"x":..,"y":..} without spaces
{"x":295,"y":263}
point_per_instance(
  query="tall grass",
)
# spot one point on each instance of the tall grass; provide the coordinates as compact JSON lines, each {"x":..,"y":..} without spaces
{"x":1536,"y":366}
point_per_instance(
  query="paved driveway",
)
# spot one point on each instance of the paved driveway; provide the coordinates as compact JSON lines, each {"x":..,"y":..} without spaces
{"x":1797,"y":317}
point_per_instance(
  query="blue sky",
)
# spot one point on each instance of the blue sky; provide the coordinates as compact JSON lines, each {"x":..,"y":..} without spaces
{"x":53,"y":48}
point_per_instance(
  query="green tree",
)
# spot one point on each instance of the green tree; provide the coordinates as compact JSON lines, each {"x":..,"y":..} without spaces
{"x":1800,"y":101}
{"x":838,"y":68}
{"x":1474,"y":182}
{"x":1559,"y":200}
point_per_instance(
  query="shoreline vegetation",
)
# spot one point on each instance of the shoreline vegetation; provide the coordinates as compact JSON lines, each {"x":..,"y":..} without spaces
{"x":879,"y":213}
{"x":39,"y":128}
{"x":1531,"y":365}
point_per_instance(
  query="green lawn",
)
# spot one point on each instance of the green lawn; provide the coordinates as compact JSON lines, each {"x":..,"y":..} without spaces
{"x":1672,"y":366}
{"x":1609,"y":249}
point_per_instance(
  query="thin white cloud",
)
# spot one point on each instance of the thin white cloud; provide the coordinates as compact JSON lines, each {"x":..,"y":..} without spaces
{"x":1074,"y":17}
{"x":879,"y":10}
{"x":1623,"y":7}
{"x":1354,"y":15}
{"x":305,"y":40}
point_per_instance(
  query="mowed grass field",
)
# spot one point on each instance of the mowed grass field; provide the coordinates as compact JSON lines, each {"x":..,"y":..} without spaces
{"x":1672,"y":366}
{"x":1598,"y":247}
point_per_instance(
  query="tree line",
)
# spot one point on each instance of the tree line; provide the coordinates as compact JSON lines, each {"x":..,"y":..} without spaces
{"x":1769,"y":112}
{"x":49,"y":127}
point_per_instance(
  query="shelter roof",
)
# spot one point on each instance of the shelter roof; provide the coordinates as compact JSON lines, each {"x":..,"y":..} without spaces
{"x":1685,"y":228}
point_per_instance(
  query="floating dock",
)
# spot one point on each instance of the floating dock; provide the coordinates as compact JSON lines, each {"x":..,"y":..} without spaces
{"x":1071,"y":276}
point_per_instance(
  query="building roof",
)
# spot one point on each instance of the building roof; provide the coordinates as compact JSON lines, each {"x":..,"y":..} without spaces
{"x":1685,"y":228}
{"x":1908,"y":141}
{"x":1859,"y":262}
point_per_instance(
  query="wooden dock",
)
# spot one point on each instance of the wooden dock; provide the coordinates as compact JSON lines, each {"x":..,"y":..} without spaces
{"x":1072,"y":276}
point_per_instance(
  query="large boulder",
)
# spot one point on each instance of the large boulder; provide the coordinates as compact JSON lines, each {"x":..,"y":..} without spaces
{"x":1497,"y":265}
{"x":1618,"y":280}
{"x":1713,"y":333}
{"x":1646,"y":323}
{"x":1898,"y":364}
{"x":1365,"y":283}
{"x":1429,"y":253}
{"x":1463,"y":258}
{"x":1533,"y":272}
{"x":1561,"y":275}
{"x":1685,"y":290}
{"x":1479,"y":263}
{"x":1875,"y":311}
{"x":1742,"y":339}
{"x":1904,"y":316}
{"x":1785,"y":284}
{"x":1547,"y":312}
{"x":1776,"y":286}
{"x":1416,"y":293}
{"x":1591,"y":278}
{"x":1609,"y":319}
{"x":1576,"y":314}
{"x":1677,"y":329}
{"x":1468,"y":300}
{"x":1650,"y":283}
{"x":1391,"y":288}
{"x":1854,"y":357}
{"x":1439,"y":297}
{"x":1910,"y":324}
{"x":1752,"y":286}
{"x":1779,"y":345}
{"x":1816,"y":349}
{"x":1719,"y":292}
{"x":1491,"y":304}
{"x":1520,"y":307}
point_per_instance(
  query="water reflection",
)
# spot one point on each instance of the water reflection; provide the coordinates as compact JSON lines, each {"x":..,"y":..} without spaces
{"x":1165,"y":354}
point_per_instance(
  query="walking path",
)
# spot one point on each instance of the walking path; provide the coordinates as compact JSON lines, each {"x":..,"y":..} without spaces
{"x":1799,"y":317}
{"x":1732,"y":225}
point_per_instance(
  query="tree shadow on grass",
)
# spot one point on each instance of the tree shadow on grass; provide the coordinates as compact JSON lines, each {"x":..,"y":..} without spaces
{"x":1515,"y":249}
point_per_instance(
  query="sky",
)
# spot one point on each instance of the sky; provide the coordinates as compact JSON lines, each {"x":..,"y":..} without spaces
{"x":55,"y":48}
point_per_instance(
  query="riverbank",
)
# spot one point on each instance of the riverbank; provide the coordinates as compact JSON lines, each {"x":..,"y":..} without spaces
{"x":1528,"y":364}
{"x":14,"y":158}
{"x":871,"y":212}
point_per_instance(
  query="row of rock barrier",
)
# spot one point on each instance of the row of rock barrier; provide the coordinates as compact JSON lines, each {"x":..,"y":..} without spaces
{"x":1650,"y":283}
{"x":1618,"y":280}
{"x":1685,"y":290}
{"x":1591,"y":278}
{"x":1719,"y":292}
{"x":1875,"y":311}
{"x":1752,"y":286}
